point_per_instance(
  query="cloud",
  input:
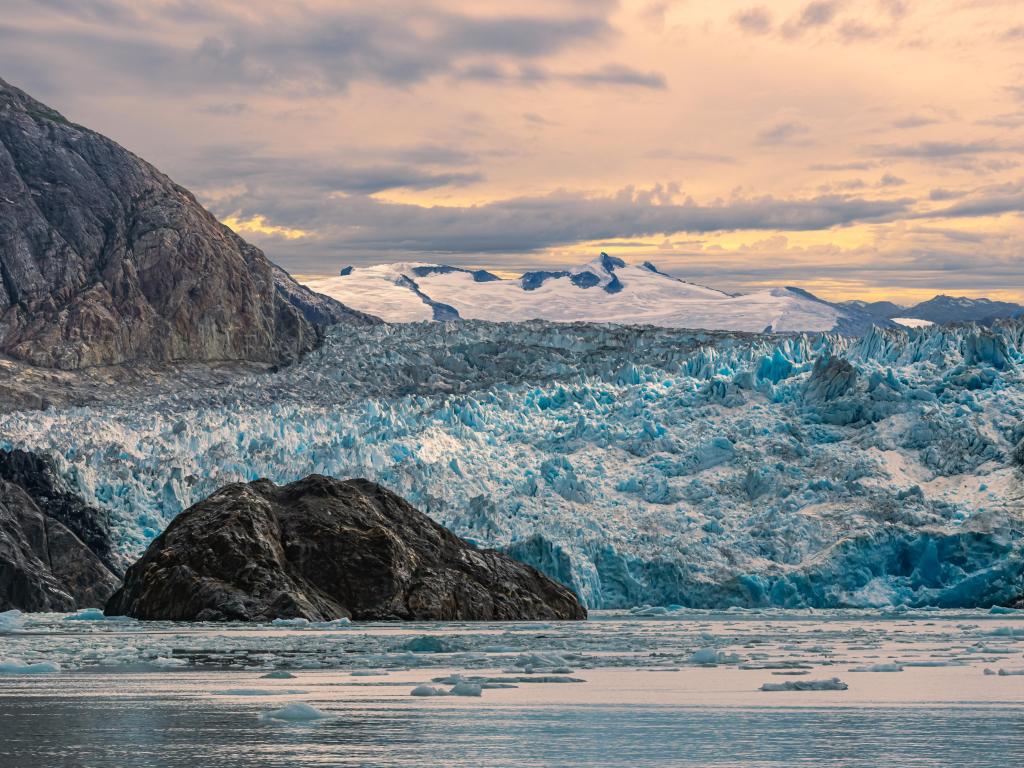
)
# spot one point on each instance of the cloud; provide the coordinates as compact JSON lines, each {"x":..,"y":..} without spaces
{"x":756,"y":20}
{"x":789,"y":132}
{"x":939,"y":150}
{"x":819,"y":13}
{"x":853,"y":165}
{"x":888,"y":180}
{"x":609,"y":74}
{"x":914,"y":121}
{"x":299,"y":50}
{"x":350,"y":225}
{"x":993,"y":201}
{"x":852,"y":31}
{"x":247,"y":168}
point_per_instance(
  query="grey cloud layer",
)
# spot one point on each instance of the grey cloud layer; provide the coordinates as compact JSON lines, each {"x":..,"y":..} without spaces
{"x":518,"y":225}
{"x":201,"y":46}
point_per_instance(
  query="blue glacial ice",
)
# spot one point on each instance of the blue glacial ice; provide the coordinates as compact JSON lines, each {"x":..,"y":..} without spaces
{"x":640,"y":466}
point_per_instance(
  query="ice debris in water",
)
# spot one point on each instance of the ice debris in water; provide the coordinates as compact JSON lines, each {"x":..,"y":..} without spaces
{"x":878,"y":668}
{"x":1005,"y":672}
{"x":637,"y":466}
{"x":95,"y":614}
{"x":466,"y":689}
{"x":295,"y":712}
{"x":427,"y":690}
{"x":15,"y":666}
{"x":427,"y":644}
{"x":11,"y":621}
{"x":278,"y":674}
{"x":833,"y":684}
{"x":713,"y":656}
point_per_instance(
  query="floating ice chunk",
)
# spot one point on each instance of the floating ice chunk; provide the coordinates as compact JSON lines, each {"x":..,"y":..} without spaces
{"x":833,"y":684}
{"x":290,"y":622}
{"x":11,"y":621}
{"x":427,"y":644}
{"x":532,"y":660}
{"x":344,"y":621}
{"x":255,"y":692}
{"x":278,"y":674}
{"x":878,"y":668}
{"x":1005,"y":672}
{"x":453,"y":679}
{"x":165,"y":661}
{"x":465,"y":688}
{"x":368,"y":672}
{"x":15,"y":666}
{"x":1002,"y":609}
{"x":95,"y":614}
{"x":712,"y":656}
{"x":427,"y":690}
{"x":296,"y":712}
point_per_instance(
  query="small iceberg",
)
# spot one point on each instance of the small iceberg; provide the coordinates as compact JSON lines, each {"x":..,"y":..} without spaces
{"x":466,"y":688}
{"x":278,"y":674}
{"x":427,"y":690}
{"x":15,"y":666}
{"x":11,"y":621}
{"x":878,"y":668}
{"x":296,"y":712}
{"x":427,"y":644}
{"x":834,"y":684}
{"x":713,"y":656}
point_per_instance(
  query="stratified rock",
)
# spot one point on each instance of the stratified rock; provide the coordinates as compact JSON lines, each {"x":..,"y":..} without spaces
{"x":323,"y":549}
{"x":55,"y":554}
{"x":105,"y":260}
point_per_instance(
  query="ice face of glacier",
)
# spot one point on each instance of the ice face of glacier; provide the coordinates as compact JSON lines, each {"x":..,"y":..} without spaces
{"x":637,"y":465}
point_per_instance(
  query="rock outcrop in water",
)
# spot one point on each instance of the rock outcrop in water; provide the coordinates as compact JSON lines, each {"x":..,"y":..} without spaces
{"x":104,"y":260}
{"x":323,"y":549}
{"x":55,"y":551}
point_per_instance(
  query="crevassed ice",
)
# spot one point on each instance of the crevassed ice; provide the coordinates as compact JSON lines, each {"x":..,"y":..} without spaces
{"x":637,"y":465}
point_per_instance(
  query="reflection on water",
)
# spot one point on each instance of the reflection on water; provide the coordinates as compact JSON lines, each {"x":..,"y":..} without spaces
{"x":46,"y":732}
{"x":646,"y":698}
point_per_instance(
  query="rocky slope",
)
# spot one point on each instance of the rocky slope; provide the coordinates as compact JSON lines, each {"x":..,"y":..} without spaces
{"x":323,"y":549}
{"x":55,"y":551}
{"x":105,"y":260}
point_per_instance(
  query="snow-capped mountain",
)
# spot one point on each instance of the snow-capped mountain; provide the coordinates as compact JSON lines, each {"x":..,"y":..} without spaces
{"x":636,"y":465}
{"x":607,"y":290}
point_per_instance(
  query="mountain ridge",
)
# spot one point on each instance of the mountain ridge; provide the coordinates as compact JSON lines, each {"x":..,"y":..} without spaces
{"x":606,"y":289}
{"x":105,"y":260}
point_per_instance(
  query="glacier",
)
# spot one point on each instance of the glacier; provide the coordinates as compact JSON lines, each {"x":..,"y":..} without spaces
{"x":638,"y":465}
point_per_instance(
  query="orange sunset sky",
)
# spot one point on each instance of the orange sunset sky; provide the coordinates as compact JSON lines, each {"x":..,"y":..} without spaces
{"x":857,"y":149}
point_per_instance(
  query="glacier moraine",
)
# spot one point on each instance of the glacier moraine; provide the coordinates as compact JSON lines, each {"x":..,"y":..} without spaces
{"x":637,"y":465}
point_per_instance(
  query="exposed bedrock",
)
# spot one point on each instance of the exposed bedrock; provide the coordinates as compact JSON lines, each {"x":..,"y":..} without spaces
{"x":323,"y":549}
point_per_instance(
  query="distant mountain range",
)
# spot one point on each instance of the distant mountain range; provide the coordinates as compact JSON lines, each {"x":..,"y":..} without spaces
{"x":943,"y":309}
{"x":605,"y":290}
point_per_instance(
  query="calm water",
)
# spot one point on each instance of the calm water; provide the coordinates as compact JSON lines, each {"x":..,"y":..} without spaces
{"x":130,"y":694}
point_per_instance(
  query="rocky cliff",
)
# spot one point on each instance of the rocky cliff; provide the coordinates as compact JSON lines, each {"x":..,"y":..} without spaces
{"x":105,"y":260}
{"x":55,"y":550}
{"x":323,"y":549}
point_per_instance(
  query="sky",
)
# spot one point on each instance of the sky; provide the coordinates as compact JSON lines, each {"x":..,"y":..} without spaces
{"x":865,"y":149}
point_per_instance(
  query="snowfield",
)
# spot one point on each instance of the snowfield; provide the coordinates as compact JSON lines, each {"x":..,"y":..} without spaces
{"x":605,"y":290}
{"x":637,"y":465}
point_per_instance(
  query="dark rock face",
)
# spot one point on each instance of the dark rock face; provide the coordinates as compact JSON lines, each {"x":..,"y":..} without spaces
{"x":104,"y":260}
{"x":323,"y":549}
{"x":55,"y":552}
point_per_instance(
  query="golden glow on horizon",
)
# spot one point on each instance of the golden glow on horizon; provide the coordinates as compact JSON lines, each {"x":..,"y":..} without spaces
{"x":257,"y":225}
